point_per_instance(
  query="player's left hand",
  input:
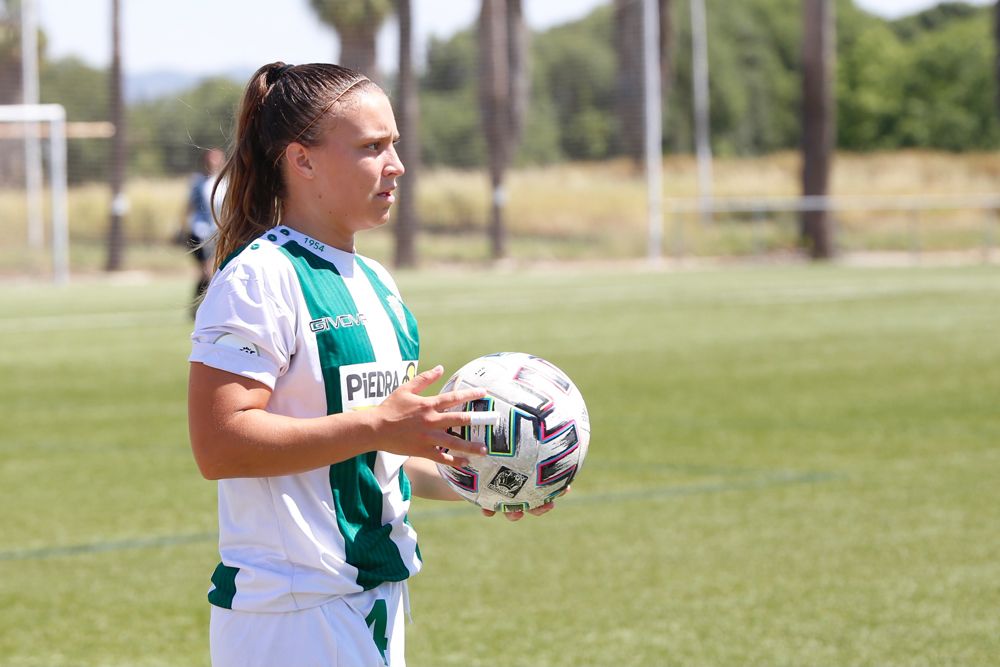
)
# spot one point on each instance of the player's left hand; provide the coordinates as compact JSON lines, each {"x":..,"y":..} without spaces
{"x":538,"y":511}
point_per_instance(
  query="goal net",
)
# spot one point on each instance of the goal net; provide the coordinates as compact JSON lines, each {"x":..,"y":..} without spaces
{"x":40,"y":130}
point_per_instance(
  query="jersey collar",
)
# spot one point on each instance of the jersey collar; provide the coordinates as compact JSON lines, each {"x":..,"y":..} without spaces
{"x":339,"y":258}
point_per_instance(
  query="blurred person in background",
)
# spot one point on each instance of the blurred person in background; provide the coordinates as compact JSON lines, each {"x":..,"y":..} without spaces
{"x":304,"y":398}
{"x":203,"y":206}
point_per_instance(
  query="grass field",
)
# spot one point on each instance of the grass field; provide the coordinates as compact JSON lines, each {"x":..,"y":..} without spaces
{"x":790,"y":466}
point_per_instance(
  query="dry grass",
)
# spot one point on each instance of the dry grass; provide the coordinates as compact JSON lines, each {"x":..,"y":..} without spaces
{"x":580,"y":210}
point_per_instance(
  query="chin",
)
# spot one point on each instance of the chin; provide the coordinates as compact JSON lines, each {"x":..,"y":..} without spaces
{"x":377,"y":222}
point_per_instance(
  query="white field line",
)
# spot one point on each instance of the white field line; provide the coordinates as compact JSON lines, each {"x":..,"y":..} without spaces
{"x":588,"y":296}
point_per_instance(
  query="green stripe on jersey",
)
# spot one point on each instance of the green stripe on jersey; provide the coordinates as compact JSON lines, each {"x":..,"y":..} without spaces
{"x":358,"y":499}
{"x":357,"y":495}
{"x":326,"y":295}
{"x":404,"y":489}
{"x":224,"y":580}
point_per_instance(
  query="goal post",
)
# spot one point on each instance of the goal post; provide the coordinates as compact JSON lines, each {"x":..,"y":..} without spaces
{"x":30,"y":116}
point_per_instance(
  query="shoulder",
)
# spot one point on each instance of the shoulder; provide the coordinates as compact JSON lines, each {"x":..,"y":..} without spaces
{"x":256,"y":289}
{"x":262,"y":262}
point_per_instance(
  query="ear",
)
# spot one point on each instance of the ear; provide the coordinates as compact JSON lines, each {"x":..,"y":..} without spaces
{"x":299,"y":161}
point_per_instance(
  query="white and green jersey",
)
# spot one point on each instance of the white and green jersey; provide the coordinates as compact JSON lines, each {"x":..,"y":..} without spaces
{"x":327,"y":332}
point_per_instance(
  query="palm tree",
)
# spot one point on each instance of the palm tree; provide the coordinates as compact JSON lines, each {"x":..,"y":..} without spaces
{"x":666,"y":44}
{"x":818,"y":119}
{"x":503,"y":92}
{"x":356,"y":23}
{"x":996,"y":46}
{"x":628,"y":47}
{"x":10,"y":52}
{"x":409,"y":147}
{"x":11,"y":159}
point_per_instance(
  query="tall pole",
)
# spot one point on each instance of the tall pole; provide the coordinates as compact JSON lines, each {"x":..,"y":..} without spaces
{"x":119,"y":203}
{"x":60,"y":210}
{"x":699,"y":66}
{"x":495,"y":101}
{"x":32,"y":143}
{"x":653,"y":120}
{"x":409,"y":148}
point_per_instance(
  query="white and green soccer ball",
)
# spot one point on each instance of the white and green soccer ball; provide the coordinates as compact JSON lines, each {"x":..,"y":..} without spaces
{"x":536,"y":434}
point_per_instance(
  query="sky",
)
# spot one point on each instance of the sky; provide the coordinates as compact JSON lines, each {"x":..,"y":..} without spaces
{"x":214,"y":36}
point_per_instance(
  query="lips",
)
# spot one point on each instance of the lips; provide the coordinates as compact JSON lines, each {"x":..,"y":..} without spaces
{"x":387,"y":195}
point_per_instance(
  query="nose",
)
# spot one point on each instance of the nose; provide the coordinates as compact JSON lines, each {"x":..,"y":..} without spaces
{"x":394,"y":167}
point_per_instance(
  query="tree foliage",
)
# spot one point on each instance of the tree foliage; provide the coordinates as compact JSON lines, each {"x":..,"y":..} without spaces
{"x":345,"y":14}
{"x":924,"y":81}
{"x":170,"y":135}
{"x":921,"y":81}
{"x":82,"y":90}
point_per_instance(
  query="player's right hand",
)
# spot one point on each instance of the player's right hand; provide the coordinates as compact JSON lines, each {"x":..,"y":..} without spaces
{"x":409,"y":424}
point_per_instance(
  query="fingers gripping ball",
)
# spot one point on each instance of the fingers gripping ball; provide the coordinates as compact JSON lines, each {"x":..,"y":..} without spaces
{"x":536,"y":431}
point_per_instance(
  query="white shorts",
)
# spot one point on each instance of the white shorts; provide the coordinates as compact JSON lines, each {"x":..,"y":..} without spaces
{"x":359,"y":630}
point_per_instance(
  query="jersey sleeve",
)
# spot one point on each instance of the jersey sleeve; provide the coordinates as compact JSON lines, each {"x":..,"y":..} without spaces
{"x":242,"y":327}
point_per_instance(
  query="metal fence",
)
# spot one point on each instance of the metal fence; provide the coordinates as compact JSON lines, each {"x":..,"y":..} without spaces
{"x":916,"y":226}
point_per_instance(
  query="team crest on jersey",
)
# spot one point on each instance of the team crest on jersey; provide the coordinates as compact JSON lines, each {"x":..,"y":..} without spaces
{"x":366,"y":385}
{"x":396,"y":306}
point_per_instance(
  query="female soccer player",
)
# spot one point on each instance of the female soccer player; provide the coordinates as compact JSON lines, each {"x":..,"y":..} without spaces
{"x":304,"y":401}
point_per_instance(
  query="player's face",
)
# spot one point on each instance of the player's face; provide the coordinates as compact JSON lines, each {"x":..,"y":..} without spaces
{"x":357,"y":163}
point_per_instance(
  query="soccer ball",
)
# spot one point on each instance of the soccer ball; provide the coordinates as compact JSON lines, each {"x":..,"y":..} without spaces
{"x":540,"y":438}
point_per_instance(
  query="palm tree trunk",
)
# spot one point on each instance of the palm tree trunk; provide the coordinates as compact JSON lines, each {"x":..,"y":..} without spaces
{"x":666,"y":46}
{"x":996,"y":48}
{"x":409,"y":147}
{"x":630,"y":103}
{"x":11,"y":157}
{"x":818,"y":120}
{"x":357,"y":50}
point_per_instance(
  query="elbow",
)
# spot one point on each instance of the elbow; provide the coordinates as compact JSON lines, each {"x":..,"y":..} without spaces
{"x":210,"y":473}
{"x":210,"y":465}
{"x":209,"y":470}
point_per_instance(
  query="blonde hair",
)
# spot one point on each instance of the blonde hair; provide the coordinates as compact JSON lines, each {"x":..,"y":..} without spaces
{"x":281,"y":104}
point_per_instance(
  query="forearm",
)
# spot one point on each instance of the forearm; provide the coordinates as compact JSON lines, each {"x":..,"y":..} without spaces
{"x":257,"y":443}
{"x":426,"y":481}
{"x":233,"y":434}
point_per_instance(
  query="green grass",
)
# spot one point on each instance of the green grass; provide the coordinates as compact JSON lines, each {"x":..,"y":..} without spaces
{"x":789,"y":466}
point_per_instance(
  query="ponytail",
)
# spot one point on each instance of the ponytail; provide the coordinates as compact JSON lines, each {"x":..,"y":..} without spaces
{"x":281,"y":104}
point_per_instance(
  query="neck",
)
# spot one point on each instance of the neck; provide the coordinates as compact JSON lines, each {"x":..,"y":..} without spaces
{"x":316,"y":227}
